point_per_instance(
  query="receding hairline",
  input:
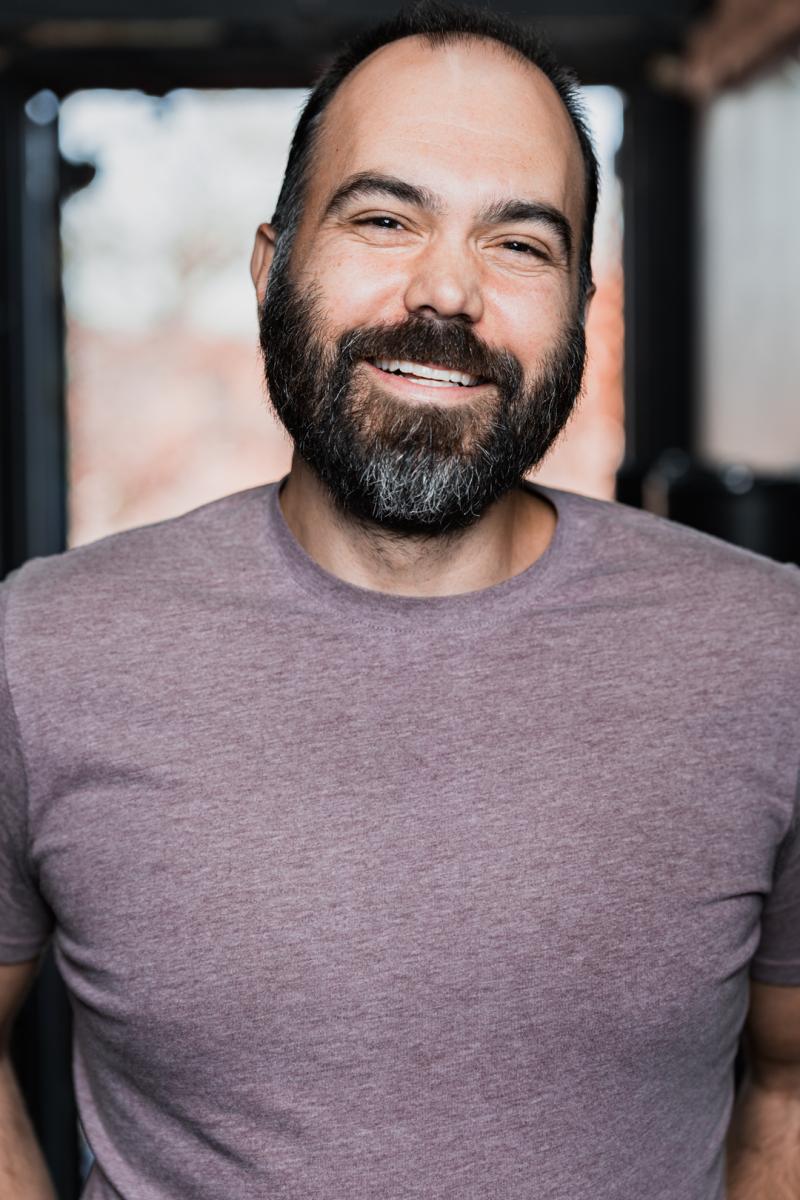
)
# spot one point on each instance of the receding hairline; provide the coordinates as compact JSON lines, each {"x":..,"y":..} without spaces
{"x":440,"y":24}
{"x":442,"y":40}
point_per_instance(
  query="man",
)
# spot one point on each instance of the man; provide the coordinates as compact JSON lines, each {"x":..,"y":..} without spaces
{"x":405,"y":829}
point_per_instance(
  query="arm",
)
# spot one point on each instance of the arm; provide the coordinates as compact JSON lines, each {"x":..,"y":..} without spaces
{"x":763,"y":1143}
{"x":23,"y":1172}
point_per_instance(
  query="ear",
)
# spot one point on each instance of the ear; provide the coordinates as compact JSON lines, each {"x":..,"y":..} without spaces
{"x":587,"y":299}
{"x":261,"y":259}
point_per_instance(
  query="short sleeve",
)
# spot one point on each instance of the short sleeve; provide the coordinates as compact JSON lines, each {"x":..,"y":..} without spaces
{"x":26,"y":920}
{"x":777,"y":959}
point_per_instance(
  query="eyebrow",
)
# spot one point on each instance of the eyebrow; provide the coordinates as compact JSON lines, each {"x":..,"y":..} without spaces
{"x":531,"y":210}
{"x":495,"y":213}
{"x":365,"y":184}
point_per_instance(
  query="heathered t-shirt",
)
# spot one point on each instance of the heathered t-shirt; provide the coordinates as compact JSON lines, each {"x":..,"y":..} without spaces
{"x":359,"y":895}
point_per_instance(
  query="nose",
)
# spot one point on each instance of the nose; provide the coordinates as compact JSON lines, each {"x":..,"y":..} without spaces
{"x":445,"y":283}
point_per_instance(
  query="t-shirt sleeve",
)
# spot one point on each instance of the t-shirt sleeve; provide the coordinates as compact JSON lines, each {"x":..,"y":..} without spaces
{"x":777,"y":959}
{"x":26,"y":920}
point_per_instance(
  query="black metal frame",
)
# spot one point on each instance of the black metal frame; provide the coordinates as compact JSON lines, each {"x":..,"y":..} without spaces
{"x":656,"y":167}
{"x":33,"y":480}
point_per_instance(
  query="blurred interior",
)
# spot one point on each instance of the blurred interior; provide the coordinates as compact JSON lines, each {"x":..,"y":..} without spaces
{"x":165,"y":400}
{"x":142,"y":143}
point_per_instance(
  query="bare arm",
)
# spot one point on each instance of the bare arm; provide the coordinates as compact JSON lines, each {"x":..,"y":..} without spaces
{"x":23,"y":1171}
{"x":763,"y":1144}
{"x":763,"y":1147}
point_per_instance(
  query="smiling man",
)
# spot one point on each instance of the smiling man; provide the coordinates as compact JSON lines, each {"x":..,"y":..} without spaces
{"x":403,"y":828}
{"x":424,"y":330}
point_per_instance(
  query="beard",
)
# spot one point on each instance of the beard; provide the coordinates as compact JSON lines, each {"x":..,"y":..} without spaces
{"x":410,"y":468}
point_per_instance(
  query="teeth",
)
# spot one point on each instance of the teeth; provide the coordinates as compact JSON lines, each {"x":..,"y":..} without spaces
{"x":433,"y":373}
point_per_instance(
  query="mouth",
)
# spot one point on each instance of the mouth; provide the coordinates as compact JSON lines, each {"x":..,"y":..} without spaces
{"x":426,"y":375}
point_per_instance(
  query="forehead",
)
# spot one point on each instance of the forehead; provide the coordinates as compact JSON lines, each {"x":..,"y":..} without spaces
{"x":466,"y":119}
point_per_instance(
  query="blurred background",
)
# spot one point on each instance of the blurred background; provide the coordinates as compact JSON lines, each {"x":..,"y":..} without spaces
{"x":165,"y":403}
{"x":142,"y":143}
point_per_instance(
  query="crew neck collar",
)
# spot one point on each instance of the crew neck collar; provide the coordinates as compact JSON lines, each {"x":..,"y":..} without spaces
{"x":334,"y":596}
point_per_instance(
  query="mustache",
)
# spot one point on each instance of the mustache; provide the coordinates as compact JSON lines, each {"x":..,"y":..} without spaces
{"x":422,"y":339}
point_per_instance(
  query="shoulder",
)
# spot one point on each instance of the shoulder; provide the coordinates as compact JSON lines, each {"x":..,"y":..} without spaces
{"x":134,"y":570}
{"x":681,"y":564}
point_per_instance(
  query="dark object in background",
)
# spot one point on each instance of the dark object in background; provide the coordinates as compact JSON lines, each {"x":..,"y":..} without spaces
{"x":758,"y":512}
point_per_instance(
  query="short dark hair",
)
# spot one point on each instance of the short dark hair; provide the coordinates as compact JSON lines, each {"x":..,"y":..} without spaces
{"x":439,"y":24}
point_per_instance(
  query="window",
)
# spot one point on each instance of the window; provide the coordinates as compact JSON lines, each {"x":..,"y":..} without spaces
{"x":165,"y":395}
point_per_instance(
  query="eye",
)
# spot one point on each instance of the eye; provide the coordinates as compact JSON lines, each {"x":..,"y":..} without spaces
{"x":380,"y":222}
{"x":526,"y":248}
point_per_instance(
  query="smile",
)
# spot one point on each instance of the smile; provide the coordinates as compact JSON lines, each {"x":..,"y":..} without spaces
{"x":424,"y":374}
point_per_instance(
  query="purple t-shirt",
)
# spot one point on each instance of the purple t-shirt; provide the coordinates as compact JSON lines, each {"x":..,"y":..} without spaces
{"x":359,"y":895}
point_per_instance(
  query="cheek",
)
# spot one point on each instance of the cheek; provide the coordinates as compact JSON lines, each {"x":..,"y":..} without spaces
{"x":526,"y":318}
{"x":356,"y":292}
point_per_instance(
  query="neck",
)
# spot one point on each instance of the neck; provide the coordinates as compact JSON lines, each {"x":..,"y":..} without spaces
{"x":506,"y":540}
